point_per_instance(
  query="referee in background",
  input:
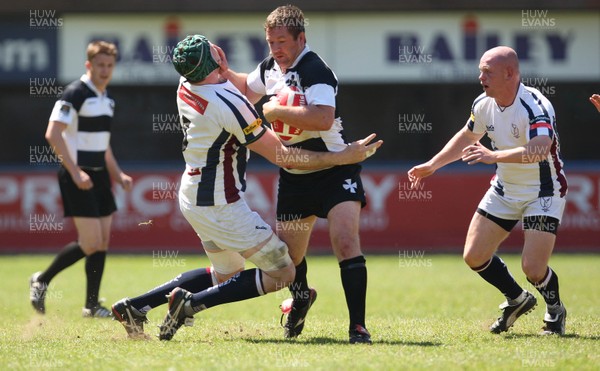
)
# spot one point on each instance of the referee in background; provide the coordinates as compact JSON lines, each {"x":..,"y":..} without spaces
{"x":79,"y":133}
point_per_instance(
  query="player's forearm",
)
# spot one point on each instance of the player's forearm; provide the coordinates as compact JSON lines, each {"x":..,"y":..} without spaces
{"x":238,"y":79}
{"x":59,"y":147}
{"x":311,"y":117}
{"x":452,"y":151}
{"x":536,"y":150}
{"x":271,"y":148}
{"x":296,"y":158}
{"x":112,"y":166}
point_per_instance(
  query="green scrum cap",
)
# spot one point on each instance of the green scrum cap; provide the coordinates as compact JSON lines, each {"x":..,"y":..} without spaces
{"x":192,"y":58}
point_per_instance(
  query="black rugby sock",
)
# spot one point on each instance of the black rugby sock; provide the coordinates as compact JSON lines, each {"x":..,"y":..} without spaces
{"x":496,"y":273}
{"x":548,"y":287}
{"x":94,"y":268}
{"x":69,"y":255}
{"x":192,"y":281}
{"x":354,"y":281}
{"x":299,"y":288}
{"x":244,"y":285}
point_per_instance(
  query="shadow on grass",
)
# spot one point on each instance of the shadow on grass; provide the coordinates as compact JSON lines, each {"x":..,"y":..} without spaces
{"x":328,"y":340}
{"x":566,"y":336}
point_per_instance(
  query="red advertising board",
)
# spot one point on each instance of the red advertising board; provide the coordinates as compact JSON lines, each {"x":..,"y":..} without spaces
{"x":434,"y":217}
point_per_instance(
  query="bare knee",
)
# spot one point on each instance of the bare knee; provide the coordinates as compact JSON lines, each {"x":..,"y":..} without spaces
{"x":346,"y":246}
{"x":296,"y":254}
{"x":90,"y":235}
{"x":279,"y":279}
{"x":91,"y":244}
{"x":287,"y":275}
{"x":474,"y":258}
{"x":483,"y":238}
{"x":534,"y":271}
{"x":467,"y":259}
{"x":104,"y":244}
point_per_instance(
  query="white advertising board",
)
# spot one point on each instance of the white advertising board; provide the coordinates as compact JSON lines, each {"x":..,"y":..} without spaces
{"x":428,"y":47}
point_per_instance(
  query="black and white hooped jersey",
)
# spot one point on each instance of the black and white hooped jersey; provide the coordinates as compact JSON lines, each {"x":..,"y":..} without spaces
{"x":217,"y":122}
{"x":88,"y":114}
{"x":529,"y":116}
{"x":312,"y":77}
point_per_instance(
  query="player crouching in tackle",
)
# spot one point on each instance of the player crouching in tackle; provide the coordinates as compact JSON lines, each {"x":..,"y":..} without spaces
{"x":529,"y":185}
{"x":219,"y":124}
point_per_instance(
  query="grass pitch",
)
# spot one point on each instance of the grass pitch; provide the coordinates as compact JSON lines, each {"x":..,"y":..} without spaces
{"x":423,"y":311}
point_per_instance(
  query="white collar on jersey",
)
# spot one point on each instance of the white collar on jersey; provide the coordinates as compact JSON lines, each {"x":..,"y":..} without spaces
{"x":302,"y":53}
{"x":86,"y":80}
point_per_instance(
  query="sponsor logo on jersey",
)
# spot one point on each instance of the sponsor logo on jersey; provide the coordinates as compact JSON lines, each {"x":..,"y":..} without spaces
{"x":250,"y":128}
{"x":540,"y":119}
{"x":65,"y":109}
{"x":195,"y":101}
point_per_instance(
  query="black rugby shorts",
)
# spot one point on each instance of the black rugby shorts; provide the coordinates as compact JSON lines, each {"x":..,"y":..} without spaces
{"x":95,"y":202}
{"x":302,"y":195}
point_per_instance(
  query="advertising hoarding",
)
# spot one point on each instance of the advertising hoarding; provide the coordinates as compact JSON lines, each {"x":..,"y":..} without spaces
{"x":433,"y":217}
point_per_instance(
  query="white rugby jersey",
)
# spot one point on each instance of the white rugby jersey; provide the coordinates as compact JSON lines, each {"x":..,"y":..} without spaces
{"x":88,"y":114}
{"x":530,"y":115}
{"x":312,"y":77}
{"x":217,"y":122}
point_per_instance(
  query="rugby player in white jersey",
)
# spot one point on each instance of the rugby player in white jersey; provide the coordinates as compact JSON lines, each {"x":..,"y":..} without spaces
{"x":219,"y":125}
{"x":79,"y":133}
{"x":529,"y":185}
{"x":335,"y":193}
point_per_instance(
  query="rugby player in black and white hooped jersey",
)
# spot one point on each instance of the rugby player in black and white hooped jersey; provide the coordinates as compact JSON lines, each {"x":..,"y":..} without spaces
{"x":219,"y":125}
{"x":335,"y":193}
{"x":529,"y":186}
{"x":79,"y":133}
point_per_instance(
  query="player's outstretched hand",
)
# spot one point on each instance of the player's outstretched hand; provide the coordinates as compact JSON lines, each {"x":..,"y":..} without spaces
{"x":595,"y":99}
{"x":419,"y":172}
{"x":361,"y":149}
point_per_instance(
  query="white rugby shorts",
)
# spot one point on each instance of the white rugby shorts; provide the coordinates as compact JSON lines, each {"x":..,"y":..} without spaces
{"x":510,"y":209}
{"x":228,"y":230}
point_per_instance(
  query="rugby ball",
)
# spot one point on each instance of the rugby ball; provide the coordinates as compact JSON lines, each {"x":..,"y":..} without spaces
{"x":286,"y":306}
{"x":292,"y":97}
